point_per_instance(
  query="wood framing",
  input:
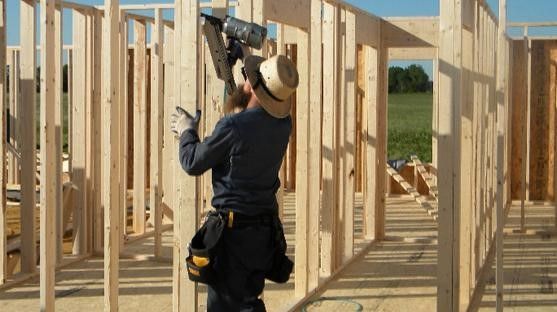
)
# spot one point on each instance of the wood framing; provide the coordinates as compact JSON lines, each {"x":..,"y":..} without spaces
{"x":28,"y":136}
{"x":3,"y":150}
{"x":111,"y":161}
{"x":187,"y":95}
{"x":139,"y":125}
{"x":157,"y":106}
{"x":58,"y":120}
{"x":450,"y":71}
{"x":49,"y":158}
{"x":414,"y":32}
{"x":79,"y":133}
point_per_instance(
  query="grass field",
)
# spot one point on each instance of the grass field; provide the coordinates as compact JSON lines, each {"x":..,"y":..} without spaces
{"x":410,"y":126}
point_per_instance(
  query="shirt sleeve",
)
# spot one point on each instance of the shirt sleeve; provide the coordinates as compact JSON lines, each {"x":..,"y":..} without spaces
{"x":197,"y":157}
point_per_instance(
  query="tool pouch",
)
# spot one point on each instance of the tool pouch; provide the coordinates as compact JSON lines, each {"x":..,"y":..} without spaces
{"x":203,"y":248}
{"x":282,"y":265}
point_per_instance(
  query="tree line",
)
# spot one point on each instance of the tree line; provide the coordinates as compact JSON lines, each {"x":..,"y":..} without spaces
{"x":412,"y":79}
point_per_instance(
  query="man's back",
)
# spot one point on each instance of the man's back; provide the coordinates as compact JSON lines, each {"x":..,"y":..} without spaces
{"x":247,"y":151}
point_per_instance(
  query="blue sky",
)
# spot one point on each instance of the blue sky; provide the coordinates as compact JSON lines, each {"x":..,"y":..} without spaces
{"x":519,"y":10}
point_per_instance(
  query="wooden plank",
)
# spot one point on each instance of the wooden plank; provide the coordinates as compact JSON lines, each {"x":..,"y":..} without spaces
{"x":426,"y":176}
{"x":411,"y":32}
{"x":450,"y":43}
{"x":428,"y":206}
{"x":371,"y":85}
{"x":502,"y":81}
{"x":329,"y":174}
{"x":97,"y":213}
{"x":157,"y":102}
{"x":70,"y":109}
{"x":123,"y":88}
{"x":50,"y":181}
{"x":302,"y":170}
{"x":381,"y":142}
{"x":413,"y":54}
{"x":291,"y":12}
{"x":187,"y":86}
{"x":466,"y":115}
{"x":314,"y":143}
{"x":89,"y":134}
{"x":139,"y":125}
{"x":370,"y":37}
{"x":28,"y":139}
{"x":169,"y":158}
{"x":111,"y":162}
{"x":525,"y":134}
{"x":79,"y":131}
{"x":3,"y":177}
{"x":58,"y":119}
{"x":350,"y":135}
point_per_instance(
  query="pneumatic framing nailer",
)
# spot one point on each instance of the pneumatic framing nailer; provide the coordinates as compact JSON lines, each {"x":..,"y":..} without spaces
{"x":237,"y":32}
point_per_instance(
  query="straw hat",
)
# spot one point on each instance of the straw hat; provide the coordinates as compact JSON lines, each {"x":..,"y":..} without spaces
{"x":273,"y":81}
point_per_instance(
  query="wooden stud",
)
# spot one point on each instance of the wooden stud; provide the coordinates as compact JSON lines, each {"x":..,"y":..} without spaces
{"x":381,"y":143}
{"x":350,"y":135}
{"x":3,"y":171}
{"x":58,"y":118}
{"x":450,"y":51}
{"x":502,"y":63}
{"x":79,"y":131}
{"x":89,"y":134}
{"x":187,"y":82}
{"x":123,"y":98}
{"x":70,"y":109}
{"x":50,"y":181}
{"x":96,"y":43}
{"x":371,"y":85}
{"x":329,"y":174}
{"x":157,"y":102}
{"x":169,"y":158}
{"x":302,"y":172}
{"x":111,"y":162}
{"x":314,"y":143}
{"x":10,"y":117}
{"x":139,"y":125}
{"x":28,"y":139}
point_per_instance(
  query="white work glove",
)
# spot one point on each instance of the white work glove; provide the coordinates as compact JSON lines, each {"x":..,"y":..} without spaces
{"x":182,"y":121}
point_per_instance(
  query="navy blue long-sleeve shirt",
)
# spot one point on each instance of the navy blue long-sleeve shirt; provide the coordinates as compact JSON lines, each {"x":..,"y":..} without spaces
{"x":245,"y":152}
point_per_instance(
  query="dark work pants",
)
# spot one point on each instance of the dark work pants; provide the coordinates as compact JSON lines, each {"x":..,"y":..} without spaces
{"x":245,"y":256}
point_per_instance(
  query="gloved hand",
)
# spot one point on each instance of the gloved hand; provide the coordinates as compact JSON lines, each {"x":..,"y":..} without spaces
{"x":182,"y":121}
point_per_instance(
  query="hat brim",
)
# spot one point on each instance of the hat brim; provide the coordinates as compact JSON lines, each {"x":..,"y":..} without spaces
{"x":277,"y":109}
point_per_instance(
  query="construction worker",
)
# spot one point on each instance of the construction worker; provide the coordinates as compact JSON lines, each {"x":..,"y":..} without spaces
{"x":245,"y":152}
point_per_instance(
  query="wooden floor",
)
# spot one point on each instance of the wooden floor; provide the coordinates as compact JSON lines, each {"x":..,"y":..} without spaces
{"x":396,"y":275}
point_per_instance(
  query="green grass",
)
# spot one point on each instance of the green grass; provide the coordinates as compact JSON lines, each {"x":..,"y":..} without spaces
{"x":409,"y":126}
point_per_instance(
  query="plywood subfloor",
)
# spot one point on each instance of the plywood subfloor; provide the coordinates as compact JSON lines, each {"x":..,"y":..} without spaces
{"x":394,"y":271}
{"x":530,"y":263}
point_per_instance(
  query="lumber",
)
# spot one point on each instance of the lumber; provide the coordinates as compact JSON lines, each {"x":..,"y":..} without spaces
{"x":411,"y":190}
{"x":169,"y":158}
{"x":123,"y":124}
{"x":10,"y":118}
{"x":302,"y":170}
{"x":79,"y":132}
{"x":89,"y":134}
{"x":291,"y":12}
{"x":329,"y":173}
{"x":3,"y":176}
{"x":50,"y":181}
{"x":58,"y":120}
{"x":466,"y":169}
{"x":314,"y":143}
{"x":139,"y":125}
{"x":381,"y":143}
{"x":110,"y":162}
{"x":413,"y":54}
{"x":502,"y":62}
{"x":28,"y":136}
{"x":450,"y":51}
{"x":157,"y":106}
{"x":96,"y":81}
{"x":187,"y":88}
{"x":371,"y":85}
{"x":411,"y":32}
{"x":426,"y":176}
{"x":350,"y":135}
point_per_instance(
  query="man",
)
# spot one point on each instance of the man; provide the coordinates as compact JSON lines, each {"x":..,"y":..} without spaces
{"x":245,"y":152}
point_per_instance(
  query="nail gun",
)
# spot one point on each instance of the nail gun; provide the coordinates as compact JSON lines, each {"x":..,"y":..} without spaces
{"x":237,"y":32}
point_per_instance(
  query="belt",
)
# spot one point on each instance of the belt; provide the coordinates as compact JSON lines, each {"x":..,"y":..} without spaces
{"x":238,"y":220}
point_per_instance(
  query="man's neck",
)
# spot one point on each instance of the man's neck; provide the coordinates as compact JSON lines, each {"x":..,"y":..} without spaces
{"x":253,"y":103}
